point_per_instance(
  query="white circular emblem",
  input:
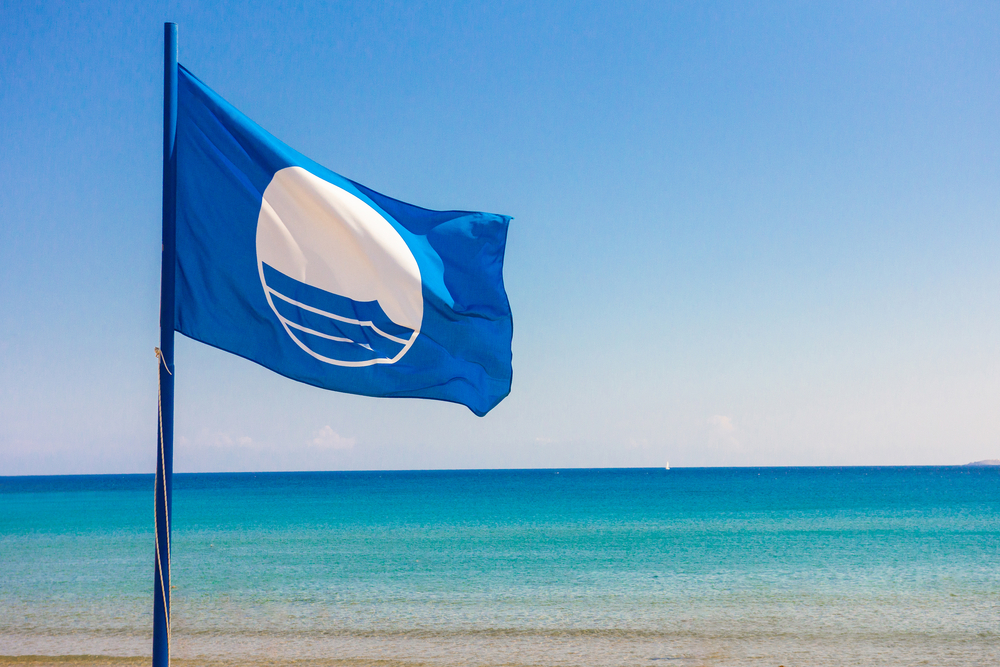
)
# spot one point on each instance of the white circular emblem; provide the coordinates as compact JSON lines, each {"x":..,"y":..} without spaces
{"x":339,"y":277}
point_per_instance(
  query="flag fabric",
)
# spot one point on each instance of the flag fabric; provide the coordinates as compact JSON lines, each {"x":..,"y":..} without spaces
{"x":325,"y":281}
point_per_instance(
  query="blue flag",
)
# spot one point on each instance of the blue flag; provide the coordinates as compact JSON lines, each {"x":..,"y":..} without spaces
{"x":325,"y":281}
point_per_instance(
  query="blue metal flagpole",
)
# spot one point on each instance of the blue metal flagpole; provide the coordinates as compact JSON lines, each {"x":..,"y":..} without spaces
{"x":165,"y":432}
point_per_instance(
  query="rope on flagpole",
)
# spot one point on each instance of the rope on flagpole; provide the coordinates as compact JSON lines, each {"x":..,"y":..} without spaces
{"x":160,"y":367}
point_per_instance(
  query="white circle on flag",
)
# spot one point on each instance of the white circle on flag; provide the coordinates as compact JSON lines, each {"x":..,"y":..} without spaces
{"x":313,"y":235}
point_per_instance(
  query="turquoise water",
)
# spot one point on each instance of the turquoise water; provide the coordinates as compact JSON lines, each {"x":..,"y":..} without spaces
{"x":791,"y":566}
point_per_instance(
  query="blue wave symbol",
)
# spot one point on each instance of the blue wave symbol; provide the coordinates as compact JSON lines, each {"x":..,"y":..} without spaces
{"x":332,"y":327}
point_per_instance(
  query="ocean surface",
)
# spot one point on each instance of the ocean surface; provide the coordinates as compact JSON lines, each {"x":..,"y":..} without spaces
{"x":740,"y":566}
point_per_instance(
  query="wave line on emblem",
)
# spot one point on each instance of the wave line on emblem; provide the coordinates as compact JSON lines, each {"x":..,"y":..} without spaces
{"x":332,"y":316}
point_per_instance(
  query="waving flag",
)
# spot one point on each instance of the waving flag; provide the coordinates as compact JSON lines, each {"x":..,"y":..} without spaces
{"x":325,"y":281}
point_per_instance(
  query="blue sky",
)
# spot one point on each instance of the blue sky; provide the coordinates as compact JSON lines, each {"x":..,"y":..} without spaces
{"x":744,"y":234}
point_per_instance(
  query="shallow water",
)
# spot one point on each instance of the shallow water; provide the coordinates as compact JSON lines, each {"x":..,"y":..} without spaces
{"x":767,"y":566}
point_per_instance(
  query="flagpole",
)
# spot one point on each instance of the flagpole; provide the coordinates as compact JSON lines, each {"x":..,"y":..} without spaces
{"x":165,"y":432}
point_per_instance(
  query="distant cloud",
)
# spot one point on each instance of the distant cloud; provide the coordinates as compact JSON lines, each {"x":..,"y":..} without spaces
{"x":638,"y":443}
{"x":220,"y":439}
{"x":722,"y":432}
{"x":327,"y":438}
{"x":721,"y":424}
{"x":225,"y":451}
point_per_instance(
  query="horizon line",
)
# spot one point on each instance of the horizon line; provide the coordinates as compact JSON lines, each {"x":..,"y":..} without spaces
{"x":985,"y":463}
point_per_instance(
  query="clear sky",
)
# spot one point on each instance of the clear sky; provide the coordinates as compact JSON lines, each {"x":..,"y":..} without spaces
{"x":744,"y":234}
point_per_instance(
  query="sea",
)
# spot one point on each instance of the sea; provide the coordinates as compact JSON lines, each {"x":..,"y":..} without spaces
{"x":688,"y":566}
